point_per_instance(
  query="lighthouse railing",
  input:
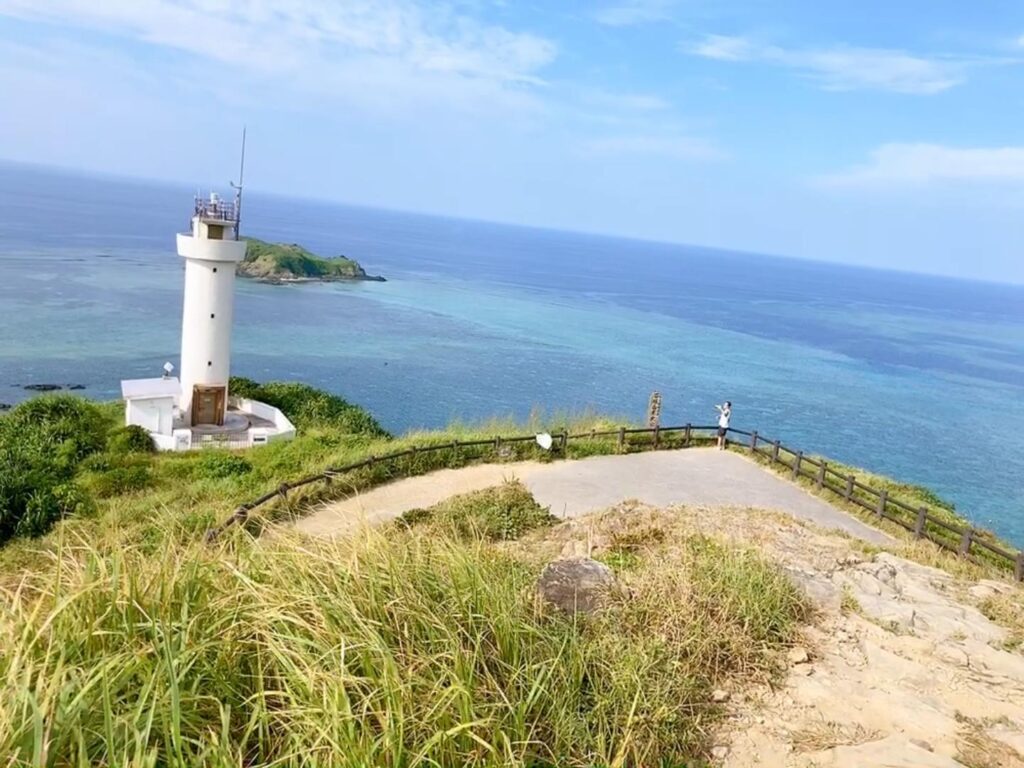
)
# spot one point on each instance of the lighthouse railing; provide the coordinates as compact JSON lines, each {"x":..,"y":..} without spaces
{"x":217,"y":209}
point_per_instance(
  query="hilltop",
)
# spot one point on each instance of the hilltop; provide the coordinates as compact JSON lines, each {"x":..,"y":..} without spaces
{"x":288,"y":263}
{"x":732,"y":636}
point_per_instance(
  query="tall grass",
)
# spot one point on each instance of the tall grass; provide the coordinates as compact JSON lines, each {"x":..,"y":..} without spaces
{"x":413,"y":649}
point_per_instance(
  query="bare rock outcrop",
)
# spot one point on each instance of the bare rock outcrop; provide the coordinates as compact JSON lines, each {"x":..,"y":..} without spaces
{"x":575,"y":585}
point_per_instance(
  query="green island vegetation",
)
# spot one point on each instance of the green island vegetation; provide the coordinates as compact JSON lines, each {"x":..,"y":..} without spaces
{"x":126,"y":639}
{"x":283,"y":263}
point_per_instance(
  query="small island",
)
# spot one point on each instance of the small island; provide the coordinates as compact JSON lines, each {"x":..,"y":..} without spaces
{"x":283,"y":263}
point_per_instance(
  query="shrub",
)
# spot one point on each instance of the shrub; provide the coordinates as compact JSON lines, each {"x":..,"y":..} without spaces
{"x":130,"y":439}
{"x":496,"y":514}
{"x":42,"y":442}
{"x":240,"y":386}
{"x":308,"y":407}
{"x":216,"y":465}
{"x":71,"y":427}
{"x":120,"y":479}
{"x":35,"y":487}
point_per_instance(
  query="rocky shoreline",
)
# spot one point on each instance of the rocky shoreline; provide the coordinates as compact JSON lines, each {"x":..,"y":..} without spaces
{"x":282,"y":280}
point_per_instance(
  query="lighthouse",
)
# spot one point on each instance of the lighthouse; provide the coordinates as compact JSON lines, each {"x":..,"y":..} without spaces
{"x":196,"y":411}
{"x":211,"y":250}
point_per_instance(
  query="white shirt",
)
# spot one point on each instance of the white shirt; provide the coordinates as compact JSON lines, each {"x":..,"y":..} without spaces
{"x":723,"y":419}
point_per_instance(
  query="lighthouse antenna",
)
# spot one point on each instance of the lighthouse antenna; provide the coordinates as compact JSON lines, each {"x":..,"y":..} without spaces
{"x":238,"y":188}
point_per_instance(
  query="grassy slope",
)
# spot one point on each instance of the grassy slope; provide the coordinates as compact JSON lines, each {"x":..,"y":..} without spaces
{"x":279,"y":261}
{"x":419,"y":647}
{"x":418,"y":644}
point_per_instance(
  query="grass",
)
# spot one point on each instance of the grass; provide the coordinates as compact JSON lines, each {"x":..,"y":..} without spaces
{"x":914,"y":496}
{"x":185,"y":494}
{"x":496,"y":514}
{"x":128,"y":642}
{"x":419,"y":647}
{"x":827,"y":734}
{"x":1007,"y":610}
{"x":976,"y":748}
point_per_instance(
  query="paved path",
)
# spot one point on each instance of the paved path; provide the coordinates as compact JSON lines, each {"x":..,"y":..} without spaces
{"x":695,"y":476}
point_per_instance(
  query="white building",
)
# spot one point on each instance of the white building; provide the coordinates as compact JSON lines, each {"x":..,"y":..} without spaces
{"x":198,"y":410}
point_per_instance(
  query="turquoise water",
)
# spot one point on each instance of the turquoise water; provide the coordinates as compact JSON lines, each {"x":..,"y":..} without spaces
{"x":913,"y":376}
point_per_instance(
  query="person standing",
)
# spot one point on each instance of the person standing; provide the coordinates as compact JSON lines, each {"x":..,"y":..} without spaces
{"x":724,"y":414}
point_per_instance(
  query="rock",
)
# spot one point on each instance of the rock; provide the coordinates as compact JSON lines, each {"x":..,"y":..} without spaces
{"x":5,"y":406}
{"x":804,"y":670}
{"x":926,"y":746}
{"x":42,"y":387}
{"x":720,"y":752}
{"x":798,"y":655}
{"x":76,"y":386}
{"x":719,"y":696}
{"x":575,"y":585}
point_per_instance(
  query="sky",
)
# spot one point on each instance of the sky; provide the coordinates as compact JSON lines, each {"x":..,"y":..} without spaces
{"x":888,"y":134}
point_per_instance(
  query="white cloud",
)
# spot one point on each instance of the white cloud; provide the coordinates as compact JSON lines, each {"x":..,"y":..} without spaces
{"x":902,"y":164}
{"x":844,"y":67}
{"x":676,"y":147}
{"x":724,"y":48}
{"x":269,"y":36}
{"x":632,"y":13}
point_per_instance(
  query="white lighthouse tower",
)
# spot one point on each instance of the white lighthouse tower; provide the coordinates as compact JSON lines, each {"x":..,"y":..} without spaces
{"x":211,"y":251}
{"x":197,"y":411}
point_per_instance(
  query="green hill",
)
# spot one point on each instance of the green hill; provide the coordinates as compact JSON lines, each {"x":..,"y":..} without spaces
{"x":283,"y":263}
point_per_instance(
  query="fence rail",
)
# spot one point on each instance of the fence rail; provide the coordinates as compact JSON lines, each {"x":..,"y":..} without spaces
{"x":922,"y":521}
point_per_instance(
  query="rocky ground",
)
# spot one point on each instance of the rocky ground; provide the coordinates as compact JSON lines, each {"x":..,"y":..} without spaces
{"x":899,"y":668}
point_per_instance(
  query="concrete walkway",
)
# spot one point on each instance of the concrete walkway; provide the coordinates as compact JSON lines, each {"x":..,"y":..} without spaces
{"x":696,"y":476}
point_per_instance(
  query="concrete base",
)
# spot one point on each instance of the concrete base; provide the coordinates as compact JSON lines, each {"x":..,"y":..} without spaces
{"x":235,"y":422}
{"x":247,"y":424}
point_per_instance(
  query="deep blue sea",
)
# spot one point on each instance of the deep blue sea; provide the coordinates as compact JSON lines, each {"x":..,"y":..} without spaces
{"x":917,"y":377}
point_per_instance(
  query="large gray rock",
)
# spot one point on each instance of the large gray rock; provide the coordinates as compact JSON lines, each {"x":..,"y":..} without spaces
{"x":575,"y":585}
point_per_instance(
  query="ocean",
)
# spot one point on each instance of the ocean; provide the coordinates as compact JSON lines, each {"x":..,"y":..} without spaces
{"x":917,"y":377}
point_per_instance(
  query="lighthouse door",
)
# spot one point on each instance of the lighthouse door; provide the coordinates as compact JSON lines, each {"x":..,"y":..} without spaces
{"x":208,"y":405}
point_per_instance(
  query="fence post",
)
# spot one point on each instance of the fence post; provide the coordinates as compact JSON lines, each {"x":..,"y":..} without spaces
{"x":565,"y":440}
{"x":848,"y":493}
{"x":821,"y":473}
{"x":657,"y":434}
{"x":796,"y":464}
{"x":775,"y":451}
{"x":753,"y":441}
{"x":965,"y":542}
{"x":497,"y":444}
{"x":922,"y":518}
{"x":1018,"y":566}
{"x":622,"y":437}
{"x":883,"y":496}
{"x":686,"y":436}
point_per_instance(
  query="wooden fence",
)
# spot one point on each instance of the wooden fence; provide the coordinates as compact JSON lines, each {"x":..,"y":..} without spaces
{"x":922,"y":521}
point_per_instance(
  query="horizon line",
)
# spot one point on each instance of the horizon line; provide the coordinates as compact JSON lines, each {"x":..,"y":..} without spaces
{"x":139,"y":179}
